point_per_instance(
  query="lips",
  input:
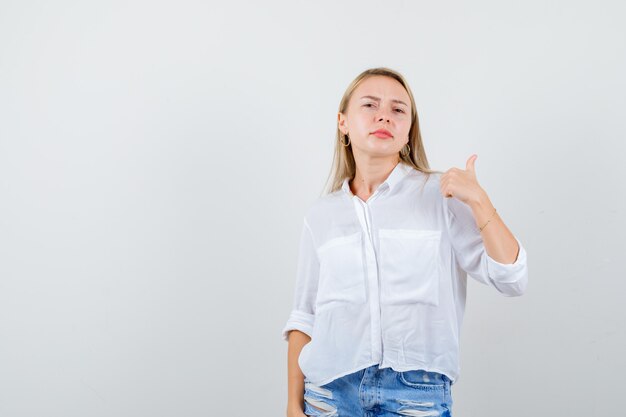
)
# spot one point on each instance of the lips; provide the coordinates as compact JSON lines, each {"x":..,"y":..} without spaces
{"x":382,"y":133}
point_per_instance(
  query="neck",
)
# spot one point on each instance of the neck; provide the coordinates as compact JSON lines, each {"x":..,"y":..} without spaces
{"x":370,"y":175}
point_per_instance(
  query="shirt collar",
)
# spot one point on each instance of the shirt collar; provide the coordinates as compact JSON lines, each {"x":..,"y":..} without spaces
{"x":394,"y":177}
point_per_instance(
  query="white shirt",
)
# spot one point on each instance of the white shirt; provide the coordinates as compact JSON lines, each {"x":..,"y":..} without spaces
{"x":384,"y":281}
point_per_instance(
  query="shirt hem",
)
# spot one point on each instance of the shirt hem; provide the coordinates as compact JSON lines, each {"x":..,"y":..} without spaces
{"x":332,"y":378}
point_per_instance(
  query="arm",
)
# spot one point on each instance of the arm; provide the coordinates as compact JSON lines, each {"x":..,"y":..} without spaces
{"x":499,"y":242}
{"x":492,"y":256}
{"x":470,"y":248}
{"x":295,"y":377}
{"x":299,"y":327}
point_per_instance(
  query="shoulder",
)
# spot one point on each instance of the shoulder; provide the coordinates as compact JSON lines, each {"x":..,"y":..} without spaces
{"x":325,"y":205}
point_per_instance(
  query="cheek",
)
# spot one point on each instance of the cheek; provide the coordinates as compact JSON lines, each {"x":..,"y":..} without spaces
{"x":362,"y":123}
{"x":402,"y":129}
{"x":406,"y":125}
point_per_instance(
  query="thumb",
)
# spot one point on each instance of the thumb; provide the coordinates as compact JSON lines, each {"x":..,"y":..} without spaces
{"x":470,"y":163}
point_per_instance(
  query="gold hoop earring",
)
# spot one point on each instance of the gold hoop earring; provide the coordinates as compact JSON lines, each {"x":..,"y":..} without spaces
{"x":345,"y":144}
{"x":405,"y":153}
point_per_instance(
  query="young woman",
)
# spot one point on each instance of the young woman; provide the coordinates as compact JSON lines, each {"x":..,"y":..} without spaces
{"x":383,"y":264}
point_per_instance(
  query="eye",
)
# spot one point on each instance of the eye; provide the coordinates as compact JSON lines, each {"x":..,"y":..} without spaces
{"x":367,"y":104}
{"x":400,"y":110}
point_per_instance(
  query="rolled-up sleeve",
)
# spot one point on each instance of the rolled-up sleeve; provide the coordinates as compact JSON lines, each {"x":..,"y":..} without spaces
{"x":302,"y":315}
{"x":469,"y":250}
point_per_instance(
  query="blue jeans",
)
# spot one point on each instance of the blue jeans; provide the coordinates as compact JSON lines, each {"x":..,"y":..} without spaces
{"x":380,"y":392}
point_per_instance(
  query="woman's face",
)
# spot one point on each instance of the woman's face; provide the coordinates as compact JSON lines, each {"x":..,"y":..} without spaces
{"x":379,"y":102}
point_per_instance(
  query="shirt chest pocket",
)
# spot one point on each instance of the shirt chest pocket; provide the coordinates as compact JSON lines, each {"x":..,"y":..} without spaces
{"x":409,"y":266}
{"x":342,"y":275}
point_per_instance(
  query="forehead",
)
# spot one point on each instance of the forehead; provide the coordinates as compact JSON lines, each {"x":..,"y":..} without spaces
{"x":386,"y":88}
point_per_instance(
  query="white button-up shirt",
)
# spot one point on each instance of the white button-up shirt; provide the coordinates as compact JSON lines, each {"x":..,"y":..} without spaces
{"x":384,"y":281}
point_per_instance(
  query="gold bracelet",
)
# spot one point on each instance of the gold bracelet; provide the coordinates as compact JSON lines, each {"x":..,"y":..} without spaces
{"x":494,"y":213}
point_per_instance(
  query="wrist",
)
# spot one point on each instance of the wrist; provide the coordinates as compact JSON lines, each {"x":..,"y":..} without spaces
{"x":295,"y":405}
{"x":480,"y":201}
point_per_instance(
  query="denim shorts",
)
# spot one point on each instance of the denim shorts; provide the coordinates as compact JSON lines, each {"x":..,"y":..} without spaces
{"x":380,"y":392}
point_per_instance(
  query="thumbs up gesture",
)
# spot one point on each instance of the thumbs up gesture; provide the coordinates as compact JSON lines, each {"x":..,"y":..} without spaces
{"x":462,"y":184}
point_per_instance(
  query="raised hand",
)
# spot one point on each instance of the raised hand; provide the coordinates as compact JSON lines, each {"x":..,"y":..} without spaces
{"x":462,"y":184}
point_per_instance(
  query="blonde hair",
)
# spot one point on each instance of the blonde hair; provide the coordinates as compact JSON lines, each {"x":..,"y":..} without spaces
{"x":344,"y":166}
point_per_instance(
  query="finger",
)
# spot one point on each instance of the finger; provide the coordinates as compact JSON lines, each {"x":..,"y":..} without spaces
{"x":470,"y":163}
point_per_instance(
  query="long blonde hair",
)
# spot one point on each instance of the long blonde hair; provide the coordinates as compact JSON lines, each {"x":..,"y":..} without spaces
{"x":344,"y":166}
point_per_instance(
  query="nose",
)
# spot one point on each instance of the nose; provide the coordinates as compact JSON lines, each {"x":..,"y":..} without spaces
{"x":383,"y":114}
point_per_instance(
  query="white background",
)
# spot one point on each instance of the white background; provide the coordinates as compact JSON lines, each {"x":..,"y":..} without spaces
{"x":156,"y":159}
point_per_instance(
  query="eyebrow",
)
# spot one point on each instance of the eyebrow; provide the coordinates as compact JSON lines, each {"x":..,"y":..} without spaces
{"x":378,"y":99}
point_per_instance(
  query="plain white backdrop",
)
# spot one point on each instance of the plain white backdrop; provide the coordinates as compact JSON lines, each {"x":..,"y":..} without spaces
{"x":156,"y":159}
